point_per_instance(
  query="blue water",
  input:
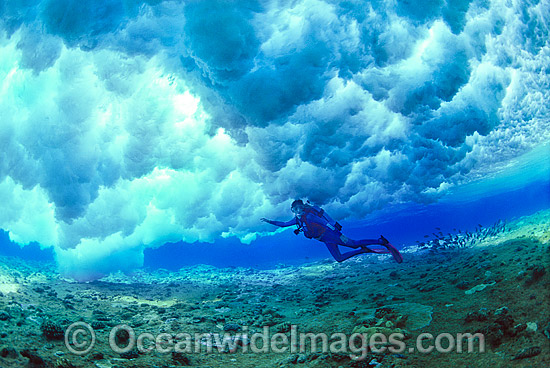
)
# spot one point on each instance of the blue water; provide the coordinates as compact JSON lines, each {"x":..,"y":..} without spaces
{"x":32,"y":251}
{"x":522,"y":189}
{"x":402,"y":225}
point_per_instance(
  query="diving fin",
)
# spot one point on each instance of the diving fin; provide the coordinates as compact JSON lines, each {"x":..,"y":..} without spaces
{"x":394,"y":252}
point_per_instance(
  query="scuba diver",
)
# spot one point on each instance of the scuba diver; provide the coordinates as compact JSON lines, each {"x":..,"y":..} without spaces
{"x":315,"y":223}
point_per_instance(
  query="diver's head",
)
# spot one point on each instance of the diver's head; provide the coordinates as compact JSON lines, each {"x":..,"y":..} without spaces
{"x":297,"y":207}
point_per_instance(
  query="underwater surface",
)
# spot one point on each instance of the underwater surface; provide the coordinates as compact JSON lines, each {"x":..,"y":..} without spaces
{"x":143,"y":142}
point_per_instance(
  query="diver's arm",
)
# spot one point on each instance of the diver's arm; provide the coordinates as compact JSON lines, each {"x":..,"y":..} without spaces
{"x":281,"y":223}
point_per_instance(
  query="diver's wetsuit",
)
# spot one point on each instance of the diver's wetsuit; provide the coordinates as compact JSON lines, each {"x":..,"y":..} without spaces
{"x":320,"y":230}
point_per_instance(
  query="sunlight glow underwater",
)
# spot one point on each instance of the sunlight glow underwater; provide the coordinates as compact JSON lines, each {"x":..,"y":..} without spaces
{"x":126,"y":125}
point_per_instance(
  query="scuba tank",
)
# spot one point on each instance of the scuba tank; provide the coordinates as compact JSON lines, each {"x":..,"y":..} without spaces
{"x":319,"y":212}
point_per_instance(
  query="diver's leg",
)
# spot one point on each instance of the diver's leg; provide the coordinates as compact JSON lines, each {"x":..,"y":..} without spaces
{"x":364,"y":243}
{"x":338,"y":256}
{"x":337,"y":237}
{"x":347,"y":242}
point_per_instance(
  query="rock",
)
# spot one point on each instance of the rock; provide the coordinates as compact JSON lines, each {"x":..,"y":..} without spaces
{"x":478,"y":316}
{"x":121,"y":337}
{"x":536,"y":274}
{"x":531,"y":327}
{"x":242,"y":341}
{"x":369,"y":321}
{"x":180,"y":359}
{"x":97,"y":356}
{"x":34,"y":359}
{"x":98,"y":325}
{"x":132,"y":354}
{"x":52,"y":330}
{"x":519,"y":328}
{"x":505,"y":321}
{"x":283,"y":327}
{"x":463,"y":285}
{"x":385,"y":312}
{"x":427,"y":288}
{"x":493,"y":334}
{"x":501,"y":327}
{"x":64,"y":363}
{"x":4,"y":316}
{"x":479,"y":287}
{"x":546,"y":331}
{"x":265,"y":321}
{"x":8,"y":353}
{"x":231,"y":327}
{"x":417,"y":315}
{"x":369,"y":331}
{"x":527,"y":353}
{"x":291,"y":359}
{"x":401,"y":321}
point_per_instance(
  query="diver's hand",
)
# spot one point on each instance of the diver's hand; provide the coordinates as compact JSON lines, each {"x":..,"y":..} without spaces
{"x":263,"y":219}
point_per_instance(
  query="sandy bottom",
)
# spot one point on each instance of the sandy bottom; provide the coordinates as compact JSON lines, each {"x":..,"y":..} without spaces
{"x":496,"y":290}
